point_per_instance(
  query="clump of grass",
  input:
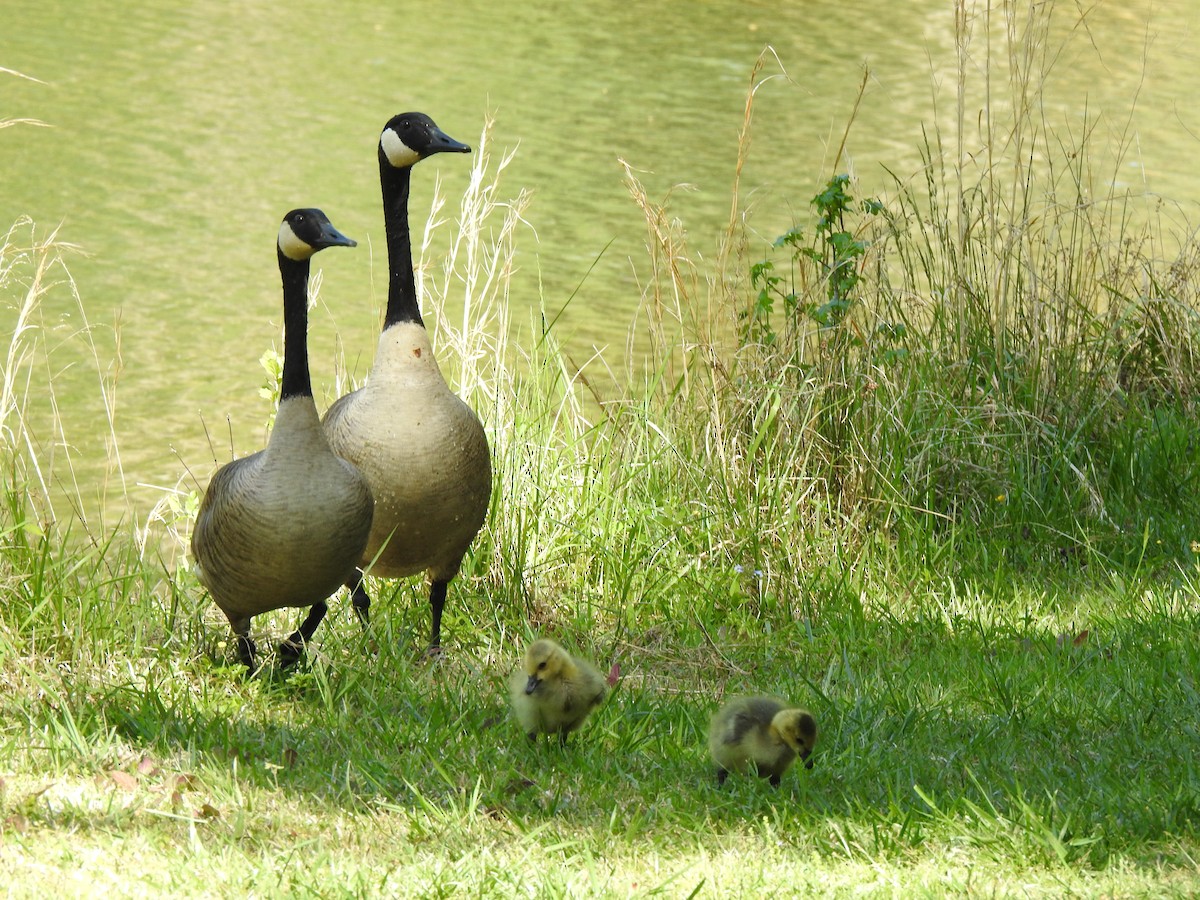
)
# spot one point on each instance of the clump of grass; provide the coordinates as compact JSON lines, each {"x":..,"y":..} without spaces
{"x":1004,"y":347}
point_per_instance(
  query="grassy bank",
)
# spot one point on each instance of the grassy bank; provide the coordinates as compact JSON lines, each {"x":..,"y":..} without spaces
{"x":927,"y":466}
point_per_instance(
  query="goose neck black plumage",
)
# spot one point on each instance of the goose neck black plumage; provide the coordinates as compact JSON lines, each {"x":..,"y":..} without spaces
{"x":296,"y":381}
{"x":402,"y":286}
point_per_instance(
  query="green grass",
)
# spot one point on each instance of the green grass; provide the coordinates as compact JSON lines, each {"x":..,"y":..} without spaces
{"x":1040,"y":735}
{"x":967,"y":544}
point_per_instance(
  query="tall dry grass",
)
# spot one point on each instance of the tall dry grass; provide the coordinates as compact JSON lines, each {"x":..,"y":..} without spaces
{"x":37,"y":450}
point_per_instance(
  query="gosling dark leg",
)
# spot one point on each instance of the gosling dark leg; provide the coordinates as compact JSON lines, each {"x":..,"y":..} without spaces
{"x":437,"y":599}
{"x":775,"y":780}
{"x":359,"y":598}
{"x":292,"y":648}
{"x":722,"y":774}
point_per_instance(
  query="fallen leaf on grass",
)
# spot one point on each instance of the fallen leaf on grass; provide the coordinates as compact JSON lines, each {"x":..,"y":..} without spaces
{"x":1068,"y":639}
{"x":123,"y":780}
{"x":208,"y":811}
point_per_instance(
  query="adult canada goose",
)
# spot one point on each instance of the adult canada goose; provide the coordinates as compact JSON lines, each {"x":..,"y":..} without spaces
{"x":422,"y":449}
{"x":287,"y":525}
{"x":760,"y":735}
{"x":553,"y":692}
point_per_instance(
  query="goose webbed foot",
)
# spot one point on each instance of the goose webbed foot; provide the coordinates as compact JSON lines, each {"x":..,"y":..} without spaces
{"x":293,"y":646}
{"x":433,"y":653}
{"x":290,"y":652}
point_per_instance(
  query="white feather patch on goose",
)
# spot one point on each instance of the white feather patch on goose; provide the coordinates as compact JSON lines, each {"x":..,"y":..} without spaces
{"x":399,"y":154}
{"x":292,"y":246}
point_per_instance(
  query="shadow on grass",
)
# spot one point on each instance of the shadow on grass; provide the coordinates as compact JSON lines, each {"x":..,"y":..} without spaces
{"x":943,"y":721}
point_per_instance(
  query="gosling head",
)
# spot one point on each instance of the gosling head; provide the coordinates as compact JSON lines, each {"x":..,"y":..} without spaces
{"x":410,"y":137}
{"x":798,"y":729}
{"x":544,"y":660}
{"x":305,"y":231}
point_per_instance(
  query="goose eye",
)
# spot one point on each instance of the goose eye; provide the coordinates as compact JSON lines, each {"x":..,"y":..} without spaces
{"x":541,"y":665}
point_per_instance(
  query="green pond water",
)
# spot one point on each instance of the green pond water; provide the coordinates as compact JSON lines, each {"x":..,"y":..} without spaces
{"x":180,"y":133}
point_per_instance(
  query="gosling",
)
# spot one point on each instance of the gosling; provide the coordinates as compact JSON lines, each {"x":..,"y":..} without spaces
{"x":553,"y":692}
{"x":762,"y":735}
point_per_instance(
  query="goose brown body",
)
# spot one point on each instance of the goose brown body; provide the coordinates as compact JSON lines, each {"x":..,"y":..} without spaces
{"x":286,"y":526}
{"x":553,"y":692}
{"x":760,"y":735}
{"x":425,"y":454}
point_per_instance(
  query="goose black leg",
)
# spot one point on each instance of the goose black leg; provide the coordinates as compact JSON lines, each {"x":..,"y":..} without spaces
{"x":721,"y":775}
{"x":245,"y":651}
{"x":360,"y":599}
{"x":292,"y":648}
{"x":437,"y":599}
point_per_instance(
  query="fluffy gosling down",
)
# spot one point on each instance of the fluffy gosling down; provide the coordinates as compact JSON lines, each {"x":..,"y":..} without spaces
{"x":553,"y":692}
{"x":760,"y":735}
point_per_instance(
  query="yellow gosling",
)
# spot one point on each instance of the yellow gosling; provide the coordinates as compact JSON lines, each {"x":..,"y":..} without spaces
{"x":553,"y":692}
{"x":760,"y":735}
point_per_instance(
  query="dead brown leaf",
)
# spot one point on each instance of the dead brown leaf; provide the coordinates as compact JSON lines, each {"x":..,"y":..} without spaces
{"x":123,"y":780}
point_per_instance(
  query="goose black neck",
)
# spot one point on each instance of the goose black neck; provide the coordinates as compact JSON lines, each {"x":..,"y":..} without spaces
{"x":402,"y":286}
{"x":296,"y":381}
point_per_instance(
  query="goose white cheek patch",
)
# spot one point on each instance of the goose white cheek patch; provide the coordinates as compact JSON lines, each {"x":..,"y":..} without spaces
{"x":292,"y":246}
{"x":399,"y":154}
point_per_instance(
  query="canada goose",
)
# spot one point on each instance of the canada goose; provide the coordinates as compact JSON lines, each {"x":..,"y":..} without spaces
{"x":761,"y":732}
{"x":422,"y":449}
{"x":287,"y":525}
{"x":553,"y":692}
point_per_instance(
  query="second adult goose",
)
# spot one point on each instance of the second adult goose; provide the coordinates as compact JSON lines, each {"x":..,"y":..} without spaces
{"x":287,"y":525}
{"x":422,"y":449}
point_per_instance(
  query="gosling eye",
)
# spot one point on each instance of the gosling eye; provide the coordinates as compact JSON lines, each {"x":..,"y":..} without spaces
{"x":541,"y":665}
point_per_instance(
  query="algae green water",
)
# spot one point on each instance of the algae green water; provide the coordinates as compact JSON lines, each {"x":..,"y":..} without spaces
{"x":179,"y":134}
